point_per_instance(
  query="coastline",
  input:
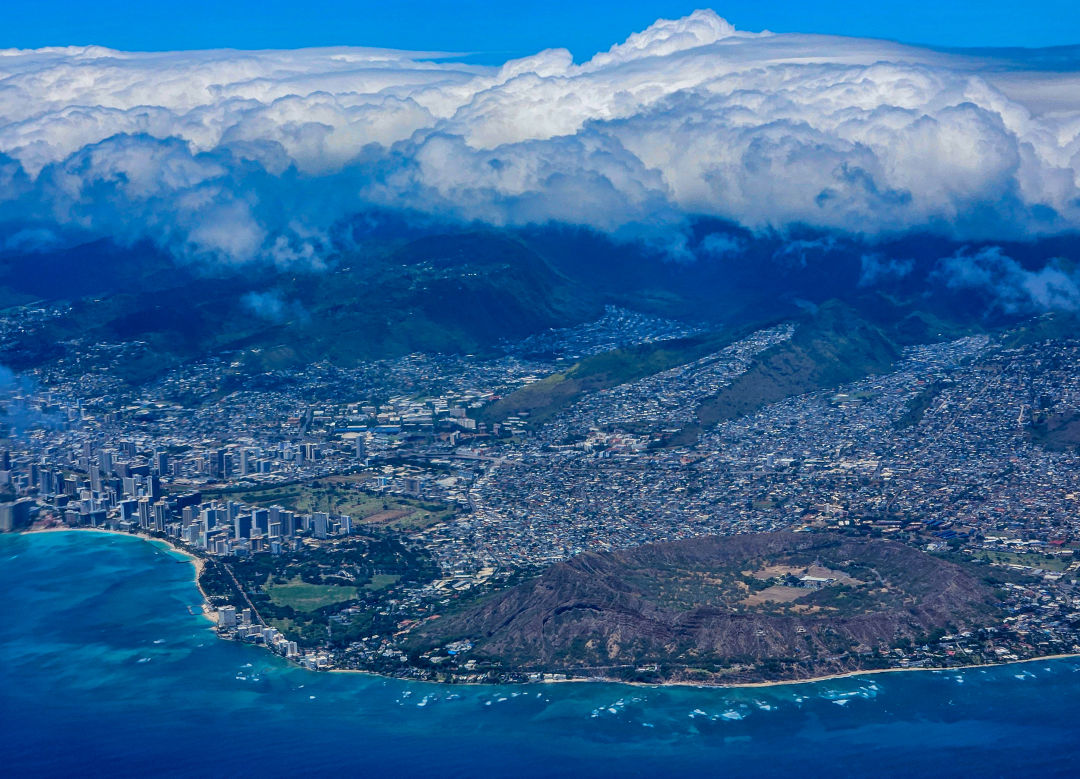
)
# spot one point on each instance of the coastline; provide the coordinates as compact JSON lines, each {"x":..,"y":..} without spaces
{"x":741,"y":685}
{"x":199,"y":564}
{"x":849,"y":674}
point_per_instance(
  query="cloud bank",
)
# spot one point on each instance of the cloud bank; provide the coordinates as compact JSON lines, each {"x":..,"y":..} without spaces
{"x":1009,"y":286}
{"x":231,"y":156}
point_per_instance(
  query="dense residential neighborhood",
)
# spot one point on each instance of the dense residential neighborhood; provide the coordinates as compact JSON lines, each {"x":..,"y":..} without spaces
{"x":939,"y":452}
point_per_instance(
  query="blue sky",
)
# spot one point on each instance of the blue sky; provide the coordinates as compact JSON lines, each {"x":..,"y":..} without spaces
{"x":501,"y":30}
{"x":250,"y":156}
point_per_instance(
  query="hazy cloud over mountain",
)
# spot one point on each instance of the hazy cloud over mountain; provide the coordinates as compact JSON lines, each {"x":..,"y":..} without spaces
{"x":1008,"y":285}
{"x":236,"y":156}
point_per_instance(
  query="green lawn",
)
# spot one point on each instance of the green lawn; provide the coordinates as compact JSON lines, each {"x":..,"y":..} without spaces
{"x":381,"y":581}
{"x":1031,"y":559}
{"x":305,"y":597}
{"x":336,"y":494}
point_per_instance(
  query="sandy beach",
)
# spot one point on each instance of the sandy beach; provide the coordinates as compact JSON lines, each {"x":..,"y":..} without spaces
{"x":199,"y":563}
{"x":849,"y":674}
{"x":749,"y":685}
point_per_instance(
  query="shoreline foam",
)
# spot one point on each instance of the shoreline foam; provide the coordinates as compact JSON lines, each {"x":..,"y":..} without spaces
{"x":199,"y":564}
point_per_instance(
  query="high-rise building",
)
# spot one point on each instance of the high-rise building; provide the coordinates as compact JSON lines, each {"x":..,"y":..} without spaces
{"x":161,"y":511}
{"x":227,"y":616}
{"x":191,"y":534}
{"x":144,"y":513}
{"x":46,"y":481}
{"x":260,"y":518}
{"x":129,"y":510}
{"x":242,"y":526}
{"x":15,"y":515}
{"x":220,"y":462}
{"x":287,"y":520}
{"x":209,"y":518}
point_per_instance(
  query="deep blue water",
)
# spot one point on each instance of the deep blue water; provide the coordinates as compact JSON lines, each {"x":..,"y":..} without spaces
{"x":105,"y":671}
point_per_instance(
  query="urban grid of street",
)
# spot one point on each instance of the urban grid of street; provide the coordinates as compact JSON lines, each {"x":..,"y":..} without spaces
{"x":962,"y":477}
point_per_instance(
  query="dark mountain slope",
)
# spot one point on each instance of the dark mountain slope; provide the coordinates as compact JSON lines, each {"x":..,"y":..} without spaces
{"x":832,"y":347}
{"x":541,"y":399}
{"x":450,"y":293}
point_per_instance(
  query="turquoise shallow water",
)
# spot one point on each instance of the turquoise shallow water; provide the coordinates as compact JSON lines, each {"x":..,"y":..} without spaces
{"x":105,"y":671}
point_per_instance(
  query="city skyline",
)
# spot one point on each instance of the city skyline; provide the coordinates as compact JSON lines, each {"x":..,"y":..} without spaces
{"x":368,"y":371}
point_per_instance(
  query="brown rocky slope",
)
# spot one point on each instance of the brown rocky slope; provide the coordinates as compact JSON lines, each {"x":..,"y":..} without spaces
{"x":736,"y":608}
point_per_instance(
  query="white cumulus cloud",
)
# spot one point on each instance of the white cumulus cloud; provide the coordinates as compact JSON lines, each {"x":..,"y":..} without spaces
{"x":240,"y":156}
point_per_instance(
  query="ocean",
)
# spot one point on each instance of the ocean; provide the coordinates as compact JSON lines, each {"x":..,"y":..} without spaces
{"x":108,"y":670}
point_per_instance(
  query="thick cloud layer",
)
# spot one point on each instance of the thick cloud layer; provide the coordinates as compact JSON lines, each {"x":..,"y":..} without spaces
{"x":236,"y":156}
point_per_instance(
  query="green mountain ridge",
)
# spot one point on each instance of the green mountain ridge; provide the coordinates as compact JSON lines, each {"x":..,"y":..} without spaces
{"x":541,"y":399}
{"x":833,"y":347}
{"x":467,"y":290}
